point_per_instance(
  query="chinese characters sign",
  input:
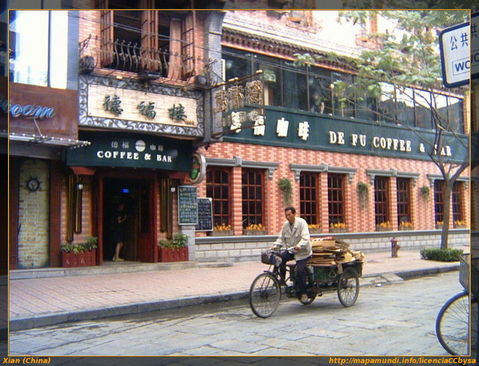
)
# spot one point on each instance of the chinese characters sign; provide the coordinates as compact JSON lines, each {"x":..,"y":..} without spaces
{"x":457,"y":45}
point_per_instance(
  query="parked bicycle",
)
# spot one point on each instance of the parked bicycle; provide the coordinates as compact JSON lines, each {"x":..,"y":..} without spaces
{"x":267,"y":287}
{"x":452,"y":322}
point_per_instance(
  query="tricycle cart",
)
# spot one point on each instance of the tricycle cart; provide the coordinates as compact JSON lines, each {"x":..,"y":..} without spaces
{"x":268,"y":287}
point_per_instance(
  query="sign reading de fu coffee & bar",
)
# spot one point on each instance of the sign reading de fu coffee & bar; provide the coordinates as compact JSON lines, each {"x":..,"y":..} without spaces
{"x":131,"y":150}
{"x":309,"y":131}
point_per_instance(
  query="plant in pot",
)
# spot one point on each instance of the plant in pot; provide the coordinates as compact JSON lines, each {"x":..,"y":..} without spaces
{"x":222,"y":230}
{"x":424,"y":191}
{"x":79,"y":254}
{"x":174,"y":249}
{"x":254,"y":229}
{"x":363,"y":191}
{"x":286,"y":187}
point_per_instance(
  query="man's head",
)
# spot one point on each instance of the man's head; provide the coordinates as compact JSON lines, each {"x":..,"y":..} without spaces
{"x":290,"y":213}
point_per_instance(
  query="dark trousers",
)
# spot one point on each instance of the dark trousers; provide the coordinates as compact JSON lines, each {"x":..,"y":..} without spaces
{"x":301,"y":271}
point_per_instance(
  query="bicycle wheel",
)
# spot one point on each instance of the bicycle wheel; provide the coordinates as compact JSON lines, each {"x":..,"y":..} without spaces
{"x":348,"y":287}
{"x":264,"y":295}
{"x":452,"y":324}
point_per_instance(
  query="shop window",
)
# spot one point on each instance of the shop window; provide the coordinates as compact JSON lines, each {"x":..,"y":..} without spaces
{"x":295,"y":89}
{"x":308,"y":201}
{"x":457,"y":204}
{"x":253,"y":197}
{"x":381,"y":201}
{"x":236,"y":65}
{"x":39,"y":48}
{"x":422,"y":109}
{"x":218,"y":188}
{"x":386,"y":104}
{"x":152,"y":40}
{"x":273,"y":80}
{"x":455,"y":114}
{"x":405,"y":106}
{"x":343,"y":96}
{"x":440,"y":103}
{"x":403,"y":189}
{"x":336,"y":198}
{"x":320,"y":98}
{"x":439,"y":201}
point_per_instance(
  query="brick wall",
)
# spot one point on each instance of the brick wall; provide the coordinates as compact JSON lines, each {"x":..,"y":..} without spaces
{"x":33,"y":216}
{"x":358,"y":219}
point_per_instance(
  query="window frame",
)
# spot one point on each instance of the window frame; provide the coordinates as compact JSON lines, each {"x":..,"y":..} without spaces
{"x":309,"y":208}
{"x":336,"y":217}
{"x":381,"y":207}
{"x":219,"y":185}
{"x":255,"y":217}
{"x":403,"y":189}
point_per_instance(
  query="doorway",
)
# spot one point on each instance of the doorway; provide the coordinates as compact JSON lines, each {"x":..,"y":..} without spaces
{"x":136,"y":195}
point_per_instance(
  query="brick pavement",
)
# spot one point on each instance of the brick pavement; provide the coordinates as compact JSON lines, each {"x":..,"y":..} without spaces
{"x":59,"y":295}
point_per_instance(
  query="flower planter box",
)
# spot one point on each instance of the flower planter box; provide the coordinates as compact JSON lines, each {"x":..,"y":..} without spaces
{"x":79,"y":259}
{"x":222,"y":233}
{"x":315,"y":231}
{"x":337,"y":230}
{"x":379,"y":228}
{"x":173,"y":255}
{"x":254,"y":232}
{"x":406,"y":228}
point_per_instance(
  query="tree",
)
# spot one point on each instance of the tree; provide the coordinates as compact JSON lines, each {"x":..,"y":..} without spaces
{"x":406,"y":57}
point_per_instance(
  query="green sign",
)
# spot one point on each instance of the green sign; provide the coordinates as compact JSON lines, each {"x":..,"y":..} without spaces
{"x":131,"y":150}
{"x":281,"y":127}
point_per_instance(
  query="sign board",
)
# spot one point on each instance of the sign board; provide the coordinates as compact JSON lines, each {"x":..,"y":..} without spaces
{"x":132,"y":151}
{"x":187,"y":205}
{"x":457,"y":44}
{"x":205,"y":215}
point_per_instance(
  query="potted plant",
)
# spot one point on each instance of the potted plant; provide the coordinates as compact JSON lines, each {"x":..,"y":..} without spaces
{"x":175,"y":249}
{"x":314,"y":228}
{"x":459,"y":224}
{"x":79,"y":254}
{"x":439,"y":224}
{"x":406,"y":225}
{"x":254,"y":229}
{"x":363,"y":191}
{"x":384,"y":226}
{"x":286,"y":187}
{"x":222,"y":230}
{"x":338,"y":227}
{"x":424,"y":191}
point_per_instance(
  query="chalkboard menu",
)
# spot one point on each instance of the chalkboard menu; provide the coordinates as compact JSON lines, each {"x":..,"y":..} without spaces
{"x":187,"y":205}
{"x":205,"y":215}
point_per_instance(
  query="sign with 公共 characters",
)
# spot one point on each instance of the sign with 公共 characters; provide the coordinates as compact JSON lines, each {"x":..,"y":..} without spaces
{"x":459,"y":53}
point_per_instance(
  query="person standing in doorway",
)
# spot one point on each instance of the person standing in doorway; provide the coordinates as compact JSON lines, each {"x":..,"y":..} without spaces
{"x":119,"y":230}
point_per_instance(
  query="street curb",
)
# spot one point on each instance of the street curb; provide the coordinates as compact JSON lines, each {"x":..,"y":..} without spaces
{"x":38,"y":321}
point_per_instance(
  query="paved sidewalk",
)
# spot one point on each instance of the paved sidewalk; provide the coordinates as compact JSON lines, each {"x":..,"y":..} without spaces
{"x":45,"y":301}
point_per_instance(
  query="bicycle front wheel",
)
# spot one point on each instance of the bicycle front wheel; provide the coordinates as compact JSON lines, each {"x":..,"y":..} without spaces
{"x":452,"y":325}
{"x":264,"y":295}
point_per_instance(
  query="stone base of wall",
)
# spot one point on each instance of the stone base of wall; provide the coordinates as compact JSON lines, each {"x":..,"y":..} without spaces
{"x":248,"y":248}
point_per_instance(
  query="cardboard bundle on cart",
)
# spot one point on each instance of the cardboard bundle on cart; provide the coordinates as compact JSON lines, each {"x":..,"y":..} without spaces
{"x":330,"y":252}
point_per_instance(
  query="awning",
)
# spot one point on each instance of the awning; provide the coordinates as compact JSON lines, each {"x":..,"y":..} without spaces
{"x":42,"y":139}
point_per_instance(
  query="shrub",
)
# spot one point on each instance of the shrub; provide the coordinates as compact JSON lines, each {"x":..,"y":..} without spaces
{"x":179,"y":240}
{"x":442,"y":255}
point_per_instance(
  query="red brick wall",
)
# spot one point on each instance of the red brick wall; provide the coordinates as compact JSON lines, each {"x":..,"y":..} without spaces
{"x":357,"y":219}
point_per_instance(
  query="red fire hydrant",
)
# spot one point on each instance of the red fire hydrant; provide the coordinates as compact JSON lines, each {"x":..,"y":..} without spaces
{"x":394,"y":247}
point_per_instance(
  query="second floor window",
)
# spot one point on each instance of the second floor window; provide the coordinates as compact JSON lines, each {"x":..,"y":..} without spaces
{"x":160,"y":41}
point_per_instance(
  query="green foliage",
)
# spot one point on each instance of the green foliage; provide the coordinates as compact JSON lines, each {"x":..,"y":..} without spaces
{"x":286,"y":187}
{"x":179,"y":240}
{"x":442,"y":255}
{"x":363,"y":191}
{"x":424,"y":191}
{"x":90,"y":244}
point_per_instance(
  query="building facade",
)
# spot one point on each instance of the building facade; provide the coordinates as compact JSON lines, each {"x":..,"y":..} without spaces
{"x":354,"y":167}
{"x":131,"y":102}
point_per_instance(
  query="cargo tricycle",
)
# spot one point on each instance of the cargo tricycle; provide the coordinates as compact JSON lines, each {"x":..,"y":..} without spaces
{"x":268,"y":287}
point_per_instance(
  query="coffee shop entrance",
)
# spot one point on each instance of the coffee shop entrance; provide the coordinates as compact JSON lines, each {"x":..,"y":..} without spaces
{"x":136,"y":196}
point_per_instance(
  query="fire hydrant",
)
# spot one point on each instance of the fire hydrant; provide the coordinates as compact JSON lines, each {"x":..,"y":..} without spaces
{"x":394,"y":247}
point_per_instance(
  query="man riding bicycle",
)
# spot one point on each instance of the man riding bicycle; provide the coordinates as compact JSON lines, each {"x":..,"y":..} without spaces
{"x":295,"y":237}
